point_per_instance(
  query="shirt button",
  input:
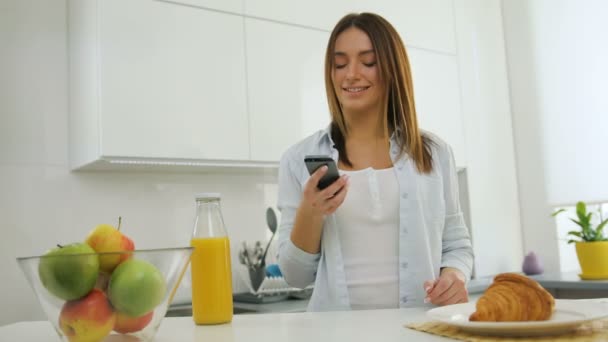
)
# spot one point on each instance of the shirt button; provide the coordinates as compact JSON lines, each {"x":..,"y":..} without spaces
{"x":404,"y":195}
{"x":404,"y":299}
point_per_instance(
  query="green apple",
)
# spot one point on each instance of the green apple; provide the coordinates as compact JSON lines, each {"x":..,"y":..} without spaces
{"x":136,"y":287}
{"x":69,"y":272}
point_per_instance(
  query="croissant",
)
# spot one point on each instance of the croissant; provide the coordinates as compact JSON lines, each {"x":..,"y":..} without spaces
{"x":514,"y":297}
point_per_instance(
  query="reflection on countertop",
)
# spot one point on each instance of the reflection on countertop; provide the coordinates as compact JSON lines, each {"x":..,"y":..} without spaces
{"x":287,"y":305}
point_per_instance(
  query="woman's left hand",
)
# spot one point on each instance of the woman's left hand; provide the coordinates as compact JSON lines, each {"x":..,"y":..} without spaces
{"x":448,"y":289}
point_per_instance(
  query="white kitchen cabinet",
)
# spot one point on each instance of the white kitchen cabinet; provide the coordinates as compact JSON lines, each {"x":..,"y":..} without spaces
{"x":233,"y":6}
{"x":153,"y":80}
{"x":286,"y":88}
{"x":318,"y":14}
{"x":437,"y":95}
{"x":424,"y":24}
{"x":427,"y":24}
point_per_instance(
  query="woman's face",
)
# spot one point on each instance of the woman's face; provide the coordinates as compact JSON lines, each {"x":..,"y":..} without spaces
{"x":355,"y":75}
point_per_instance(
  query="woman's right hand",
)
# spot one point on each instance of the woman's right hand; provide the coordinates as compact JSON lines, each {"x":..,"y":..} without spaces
{"x":326,"y":201}
{"x":315,"y":204}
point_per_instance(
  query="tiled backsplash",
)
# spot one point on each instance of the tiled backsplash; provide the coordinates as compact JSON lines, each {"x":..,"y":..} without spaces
{"x":45,"y":205}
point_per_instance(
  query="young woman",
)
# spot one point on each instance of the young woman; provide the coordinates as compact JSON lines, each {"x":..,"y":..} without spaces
{"x":389,"y":232}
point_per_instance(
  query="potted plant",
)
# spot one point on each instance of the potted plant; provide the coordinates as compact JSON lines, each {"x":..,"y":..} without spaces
{"x":590,"y":242}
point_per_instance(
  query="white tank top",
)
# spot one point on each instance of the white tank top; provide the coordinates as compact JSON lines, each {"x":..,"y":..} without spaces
{"x":368,"y":227}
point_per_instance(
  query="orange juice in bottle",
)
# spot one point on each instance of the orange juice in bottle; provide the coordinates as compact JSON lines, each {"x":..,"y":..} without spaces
{"x":210,"y":264}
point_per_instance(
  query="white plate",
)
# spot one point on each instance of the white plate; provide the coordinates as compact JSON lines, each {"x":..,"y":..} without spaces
{"x":568,"y":315}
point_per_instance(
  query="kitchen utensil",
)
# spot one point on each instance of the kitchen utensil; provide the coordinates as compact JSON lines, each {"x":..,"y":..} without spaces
{"x":245,"y":252}
{"x":257,"y":275}
{"x":271,"y":221}
{"x":243,"y":259}
{"x":257,"y":254}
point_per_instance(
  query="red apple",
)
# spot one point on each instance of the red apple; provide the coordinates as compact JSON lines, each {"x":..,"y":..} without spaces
{"x":127,"y":324}
{"x":87,"y":319}
{"x":106,"y":238}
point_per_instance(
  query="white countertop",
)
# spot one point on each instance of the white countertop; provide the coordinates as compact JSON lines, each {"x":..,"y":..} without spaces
{"x":569,"y":280}
{"x":351,"y":326}
{"x":476,"y":287}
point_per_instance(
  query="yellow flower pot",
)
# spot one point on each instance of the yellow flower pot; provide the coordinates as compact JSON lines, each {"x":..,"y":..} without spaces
{"x":593,"y":258}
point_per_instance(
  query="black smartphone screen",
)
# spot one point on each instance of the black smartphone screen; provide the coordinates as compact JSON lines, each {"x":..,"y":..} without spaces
{"x":313,"y":162}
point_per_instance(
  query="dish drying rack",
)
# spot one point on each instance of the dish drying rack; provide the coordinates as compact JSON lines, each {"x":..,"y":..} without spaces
{"x":272,"y":289}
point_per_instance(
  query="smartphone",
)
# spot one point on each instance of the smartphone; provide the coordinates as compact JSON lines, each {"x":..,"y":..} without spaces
{"x":315,"y":162}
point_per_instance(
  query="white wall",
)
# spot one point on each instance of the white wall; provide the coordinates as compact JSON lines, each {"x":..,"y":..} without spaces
{"x":558,"y":79}
{"x":42,"y":203}
{"x":490,"y":153}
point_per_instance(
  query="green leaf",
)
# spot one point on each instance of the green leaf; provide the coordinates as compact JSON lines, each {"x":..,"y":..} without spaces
{"x":580,"y":224}
{"x":585,"y":221}
{"x":589,"y":234}
{"x":572,"y":241}
{"x":575,"y":233}
{"x":557,"y":212}
{"x":581,"y":210}
{"x":600,"y":227}
{"x":592,"y":236}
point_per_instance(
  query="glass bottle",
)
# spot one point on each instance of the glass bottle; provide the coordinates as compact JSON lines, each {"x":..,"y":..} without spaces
{"x":210,"y":263}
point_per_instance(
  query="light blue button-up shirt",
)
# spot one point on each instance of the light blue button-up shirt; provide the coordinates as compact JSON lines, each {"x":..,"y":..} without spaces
{"x":432,"y":231}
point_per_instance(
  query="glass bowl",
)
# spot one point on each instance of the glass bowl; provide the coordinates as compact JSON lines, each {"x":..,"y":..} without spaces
{"x":130,"y":301}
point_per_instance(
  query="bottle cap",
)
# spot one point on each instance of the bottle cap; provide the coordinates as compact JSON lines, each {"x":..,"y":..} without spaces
{"x":208,"y":196}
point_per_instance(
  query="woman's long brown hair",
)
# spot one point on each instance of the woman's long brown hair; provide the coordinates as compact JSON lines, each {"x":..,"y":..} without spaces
{"x":398,"y":102}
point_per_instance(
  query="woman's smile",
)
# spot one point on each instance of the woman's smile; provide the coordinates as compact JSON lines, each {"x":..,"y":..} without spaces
{"x":355,"y":90}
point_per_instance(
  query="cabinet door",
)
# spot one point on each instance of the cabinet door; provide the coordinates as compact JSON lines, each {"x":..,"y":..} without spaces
{"x":172,"y":82}
{"x":234,"y":6}
{"x":427,"y":24}
{"x":287,"y":98}
{"x":437,"y":95}
{"x":319,"y":14}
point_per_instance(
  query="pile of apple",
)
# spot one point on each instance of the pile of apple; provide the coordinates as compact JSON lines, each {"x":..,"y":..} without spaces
{"x":102,"y":292}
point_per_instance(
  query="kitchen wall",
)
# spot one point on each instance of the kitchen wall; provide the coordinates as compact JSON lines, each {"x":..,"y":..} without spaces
{"x":558,"y":77}
{"x":491,"y":167}
{"x":42,"y":203}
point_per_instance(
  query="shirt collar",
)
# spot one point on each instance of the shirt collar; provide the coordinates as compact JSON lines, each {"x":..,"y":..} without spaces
{"x":327,"y":135}
{"x":393,"y":146}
